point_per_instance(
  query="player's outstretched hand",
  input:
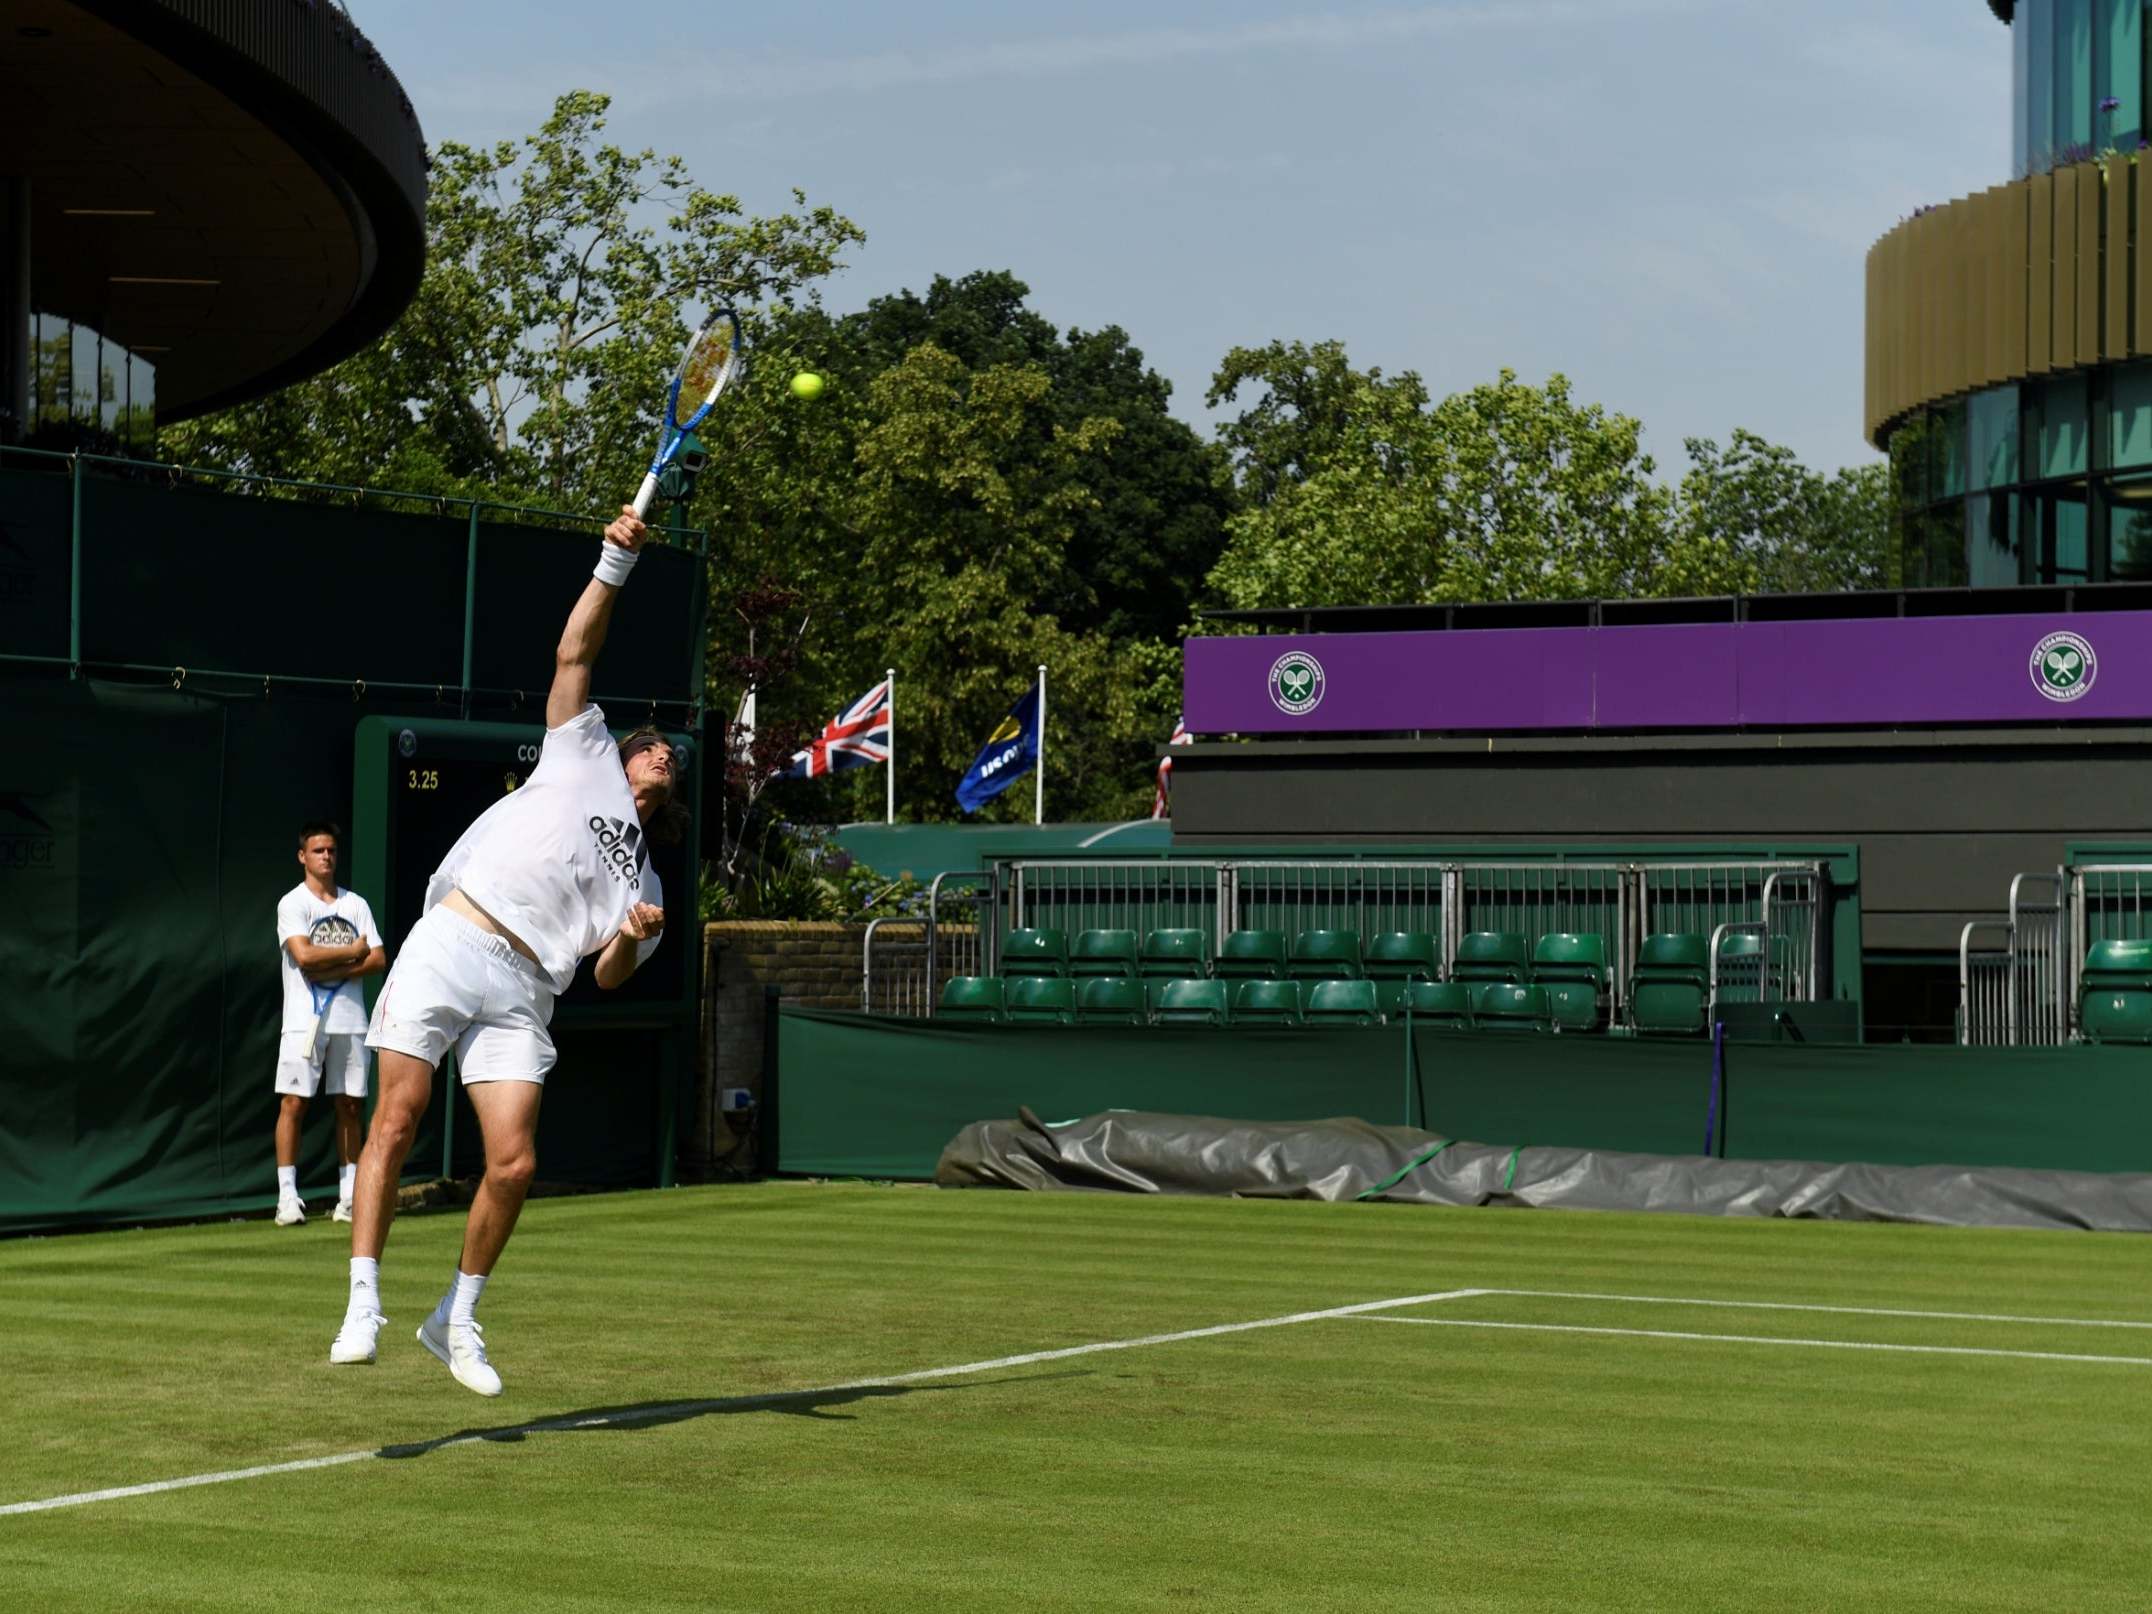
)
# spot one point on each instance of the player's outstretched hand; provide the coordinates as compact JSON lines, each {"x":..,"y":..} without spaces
{"x":645,"y":919}
{"x":628,"y":532}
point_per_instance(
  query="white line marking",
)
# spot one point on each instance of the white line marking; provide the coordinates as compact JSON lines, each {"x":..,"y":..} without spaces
{"x":679,"y":1409}
{"x":1848,"y":1311}
{"x":1765,"y":1339}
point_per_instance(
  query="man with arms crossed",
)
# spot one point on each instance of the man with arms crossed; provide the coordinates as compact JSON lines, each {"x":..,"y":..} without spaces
{"x":339,"y":1062}
{"x":550,"y":873}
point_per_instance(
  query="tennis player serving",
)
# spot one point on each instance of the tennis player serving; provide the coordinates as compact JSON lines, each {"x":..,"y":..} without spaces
{"x":548,"y":875}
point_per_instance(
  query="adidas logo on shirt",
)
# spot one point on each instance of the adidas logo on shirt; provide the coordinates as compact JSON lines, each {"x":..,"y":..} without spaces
{"x":621,"y":849}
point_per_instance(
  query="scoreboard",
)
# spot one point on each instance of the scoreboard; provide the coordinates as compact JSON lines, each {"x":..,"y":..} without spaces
{"x":417,"y":783}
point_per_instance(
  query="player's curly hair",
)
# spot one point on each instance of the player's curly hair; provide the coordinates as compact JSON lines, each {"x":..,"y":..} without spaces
{"x":668,"y":825}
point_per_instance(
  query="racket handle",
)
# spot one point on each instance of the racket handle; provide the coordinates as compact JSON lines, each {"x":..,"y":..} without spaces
{"x":646,"y":495}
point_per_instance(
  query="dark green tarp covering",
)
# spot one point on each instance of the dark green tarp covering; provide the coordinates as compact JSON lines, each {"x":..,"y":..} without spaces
{"x":145,"y":836}
{"x":873,"y":1097}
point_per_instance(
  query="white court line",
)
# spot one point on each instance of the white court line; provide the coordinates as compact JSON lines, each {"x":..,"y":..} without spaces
{"x":680,"y":1409}
{"x":1847,"y":1311}
{"x":1763,"y":1339}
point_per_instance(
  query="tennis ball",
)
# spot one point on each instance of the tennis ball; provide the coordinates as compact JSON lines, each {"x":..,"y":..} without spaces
{"x":806,"y":385}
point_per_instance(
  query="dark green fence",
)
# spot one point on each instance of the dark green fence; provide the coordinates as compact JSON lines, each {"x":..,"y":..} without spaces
{"x":871,"y":1097}
{"x":182,"y":675}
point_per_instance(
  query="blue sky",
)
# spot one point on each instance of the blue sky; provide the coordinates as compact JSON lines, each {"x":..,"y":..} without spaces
{"x":1670,"y":201}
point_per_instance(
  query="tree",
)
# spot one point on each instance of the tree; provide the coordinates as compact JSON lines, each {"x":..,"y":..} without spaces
{"x":1355,"y":492}
{"x":1754,"y":520}
{"x":557,"y":276}
{"x":1151,"y":527}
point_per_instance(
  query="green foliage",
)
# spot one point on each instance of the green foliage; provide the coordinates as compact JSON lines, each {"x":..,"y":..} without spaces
{"x":1355,"y":490}
{"x":796,"y":871}
{"x":549,"y":317}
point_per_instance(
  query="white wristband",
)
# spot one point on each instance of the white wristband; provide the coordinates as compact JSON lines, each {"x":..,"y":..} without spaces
{"x":614,"y":563}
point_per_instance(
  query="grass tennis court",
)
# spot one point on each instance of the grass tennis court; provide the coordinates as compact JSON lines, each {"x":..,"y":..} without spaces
{"x":1576,"y":1456}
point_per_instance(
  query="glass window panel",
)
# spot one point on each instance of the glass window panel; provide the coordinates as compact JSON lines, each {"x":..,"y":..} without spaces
{"x":2129,"y":532}
{"x":2056,"y":525}
{"x":1949,"y":462}
{"x":2055,"y":428}
{"x":2020,"y":58}
{"x":2123,"y":36}
{"x":2039,"y":25}
{"x":1942,"y":532}
{"x":1909,"y":457}
{"x":2073,"y":74}
{"x":1992,"y":439}
{"x":1991,"y":544}
{"x":2129,"y":415}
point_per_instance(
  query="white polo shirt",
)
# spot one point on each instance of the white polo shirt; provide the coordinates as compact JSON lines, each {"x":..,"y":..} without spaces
{"x":560,"y":860}
{"x":297,"y":912}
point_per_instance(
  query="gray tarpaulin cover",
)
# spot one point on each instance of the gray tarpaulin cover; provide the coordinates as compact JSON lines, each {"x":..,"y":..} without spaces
{"x":1136,"y":1152}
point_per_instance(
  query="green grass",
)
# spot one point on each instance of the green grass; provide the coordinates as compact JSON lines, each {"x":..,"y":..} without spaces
{"x":1339,"y":1464}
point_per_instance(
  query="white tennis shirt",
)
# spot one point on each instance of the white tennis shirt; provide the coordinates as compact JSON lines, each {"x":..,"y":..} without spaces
{"x":560,"y":860}
{"x":297,"y":912}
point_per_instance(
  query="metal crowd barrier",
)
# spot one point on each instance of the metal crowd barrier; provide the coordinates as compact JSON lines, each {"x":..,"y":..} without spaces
{"x":1787,"y":903}
{"x":2020,"y":990}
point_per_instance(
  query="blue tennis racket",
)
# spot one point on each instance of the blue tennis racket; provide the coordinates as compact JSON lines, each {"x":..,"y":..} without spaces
{"x":707,"y":366}
{"x":334,"y":931}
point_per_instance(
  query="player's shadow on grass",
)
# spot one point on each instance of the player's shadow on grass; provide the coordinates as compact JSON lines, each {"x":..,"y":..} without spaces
{"x":651,"y":1414}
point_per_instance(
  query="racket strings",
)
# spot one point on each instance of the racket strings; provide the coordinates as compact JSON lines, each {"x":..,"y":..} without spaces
{"x":706,"y":367}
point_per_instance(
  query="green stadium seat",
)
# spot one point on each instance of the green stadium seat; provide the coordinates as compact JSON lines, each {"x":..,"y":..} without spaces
{"x":1500,"y":1006}
{"x":1492,"y":955}
{"x":1266,"y":1003}
{"x":1404,"y":955}
{"x":1175,"y":955}
{"x":1190,"y":1003}
{"x":1034,"y":952}
{"x":1326,"y":955}
{"x":2113,"y":1014}
{"x":1104,"y":952}
{"x":1252,"y":955}
{"x":2114,"y":998}
{"x":1438,"y":1003}
{"x":1110,"y":1000}
{"x":1040,"y":999}
{"x":971,"y":997}
{"x":2126,"y":964}
{"x":1572,"y":966}
{"x":1342,"y":1003}
{"x":1670,"y":985}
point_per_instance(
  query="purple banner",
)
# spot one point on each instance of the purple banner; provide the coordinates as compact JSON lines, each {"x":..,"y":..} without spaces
{"x":1894,"y":670}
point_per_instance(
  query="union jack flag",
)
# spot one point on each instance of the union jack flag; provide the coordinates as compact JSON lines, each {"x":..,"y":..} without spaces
{"x":856,"y":738}
{"x":1181,"y":736}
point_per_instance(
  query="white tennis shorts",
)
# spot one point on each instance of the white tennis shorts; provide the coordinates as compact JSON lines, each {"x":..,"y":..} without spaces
{"x":339,"y":1065}
{"x":456,"y":986}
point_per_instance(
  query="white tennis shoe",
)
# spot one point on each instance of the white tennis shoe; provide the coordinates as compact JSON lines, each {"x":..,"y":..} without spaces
{"x":289,"y":1212}
{"x":354,"y":1341}
{"x":464,"y":1350}
{"x":342,"y":1213}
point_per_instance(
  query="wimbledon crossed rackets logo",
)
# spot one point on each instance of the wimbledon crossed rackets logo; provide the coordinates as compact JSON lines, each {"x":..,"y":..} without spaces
{"x":1296,"y":683}
{"x":2063,"y":666}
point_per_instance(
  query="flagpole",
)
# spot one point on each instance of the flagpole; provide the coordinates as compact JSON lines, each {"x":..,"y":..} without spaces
{"x":892,"y":676}
{"x":1038,"y":796}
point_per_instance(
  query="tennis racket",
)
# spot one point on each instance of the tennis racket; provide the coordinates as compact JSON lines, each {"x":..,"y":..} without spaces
{"x":707,"y":366}
{"x":334,"y":931}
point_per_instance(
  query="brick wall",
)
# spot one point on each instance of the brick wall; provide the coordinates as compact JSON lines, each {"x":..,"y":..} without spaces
{"x":814,"y":965}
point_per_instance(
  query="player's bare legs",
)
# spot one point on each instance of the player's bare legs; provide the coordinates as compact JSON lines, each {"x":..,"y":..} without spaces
{"x":406,"y":1084}
{"x":508,"y":1118}
{"x":406,"y":1087}
{"x":291,"y":1108}
{"x":348,"y":1138}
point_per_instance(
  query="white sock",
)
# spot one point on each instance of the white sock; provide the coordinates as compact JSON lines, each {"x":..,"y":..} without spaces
{"x":344,"y":1180}
{"x":462,"y":1300}
{"x":366,"y":1281}
{"x":287,"y":1182}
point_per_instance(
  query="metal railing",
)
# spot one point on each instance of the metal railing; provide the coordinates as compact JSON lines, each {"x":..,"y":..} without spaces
{"x":894,"y":975}
{"x":2022,"y":993}
{"x":1368,"y":898}
{"x":1786,"y":903}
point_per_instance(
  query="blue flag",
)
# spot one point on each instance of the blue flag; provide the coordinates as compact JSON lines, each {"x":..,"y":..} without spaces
{"x":1011,"y":752}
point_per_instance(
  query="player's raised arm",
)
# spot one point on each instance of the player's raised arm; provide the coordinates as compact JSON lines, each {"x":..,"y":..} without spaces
{"x":584,"y":636}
